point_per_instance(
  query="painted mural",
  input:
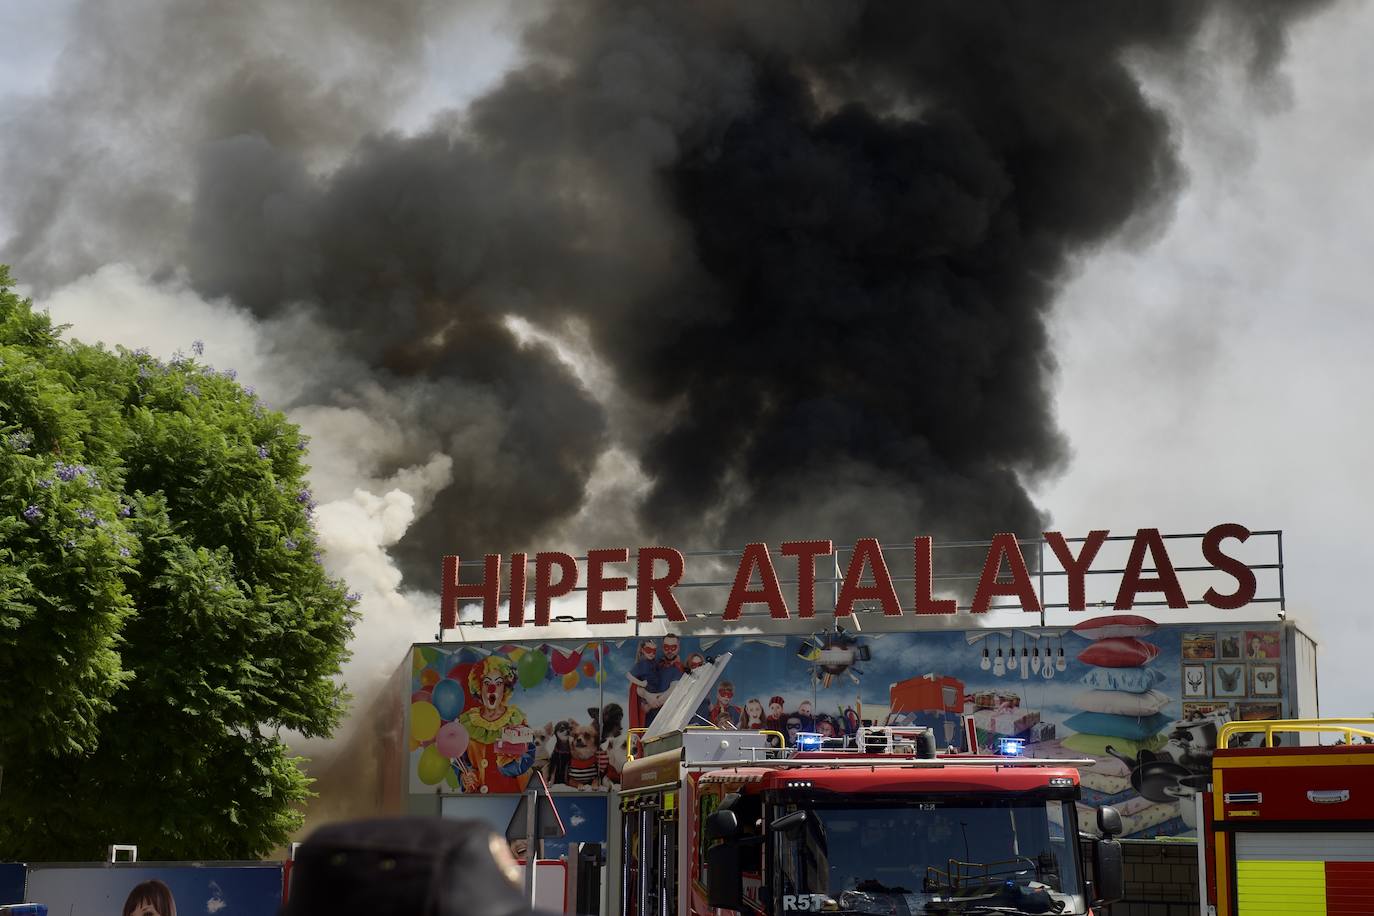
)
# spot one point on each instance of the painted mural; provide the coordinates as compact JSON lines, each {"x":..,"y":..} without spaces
{"x":1144,"y":702}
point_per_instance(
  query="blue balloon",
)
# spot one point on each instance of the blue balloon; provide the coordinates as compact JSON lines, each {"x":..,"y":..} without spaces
{"x":447,"y":698}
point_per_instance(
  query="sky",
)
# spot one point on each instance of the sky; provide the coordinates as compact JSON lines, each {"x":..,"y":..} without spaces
{"x":1208,"y":370}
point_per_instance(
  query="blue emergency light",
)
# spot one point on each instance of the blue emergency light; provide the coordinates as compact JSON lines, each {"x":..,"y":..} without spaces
{"x":1011,"y":747}
{"x":809,"y":741}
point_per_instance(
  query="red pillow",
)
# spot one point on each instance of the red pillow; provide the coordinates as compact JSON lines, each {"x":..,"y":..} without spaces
{"x":1118,"y":652}
{"x":1116,"y":625}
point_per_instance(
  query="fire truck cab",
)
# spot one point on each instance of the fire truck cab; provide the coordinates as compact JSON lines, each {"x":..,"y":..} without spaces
{"x":725,"y":821}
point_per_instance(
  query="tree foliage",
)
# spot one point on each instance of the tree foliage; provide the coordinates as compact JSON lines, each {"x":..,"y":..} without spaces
{"x":163,"y":610}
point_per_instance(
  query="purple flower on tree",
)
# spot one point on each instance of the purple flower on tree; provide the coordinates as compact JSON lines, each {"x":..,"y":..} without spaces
{"x":20,"y":441}
{"x":87,"y":515}
{"x":291,"y":543}
{"x":33,"y":513}
{"x":353,"y":597}
{"x":45,"y":483}
{"x":125,"y":511}
{"x":262,"y":451}
{"x":123,"y":551}
{"x":198,"y":347}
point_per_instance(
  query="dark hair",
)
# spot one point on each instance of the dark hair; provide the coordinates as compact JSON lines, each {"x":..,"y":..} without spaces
{"x":154,"y":892}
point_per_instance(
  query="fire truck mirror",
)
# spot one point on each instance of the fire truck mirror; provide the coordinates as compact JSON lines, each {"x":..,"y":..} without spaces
{"x":789,"y":821}
{"x":1109,"y":880}
{"x":722,"y":825}
{"x":1108,"y":821}
{"x":724,"y":884}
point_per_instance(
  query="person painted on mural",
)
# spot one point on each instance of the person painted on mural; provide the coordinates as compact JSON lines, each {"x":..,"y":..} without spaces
{"x":725,"y":714}
{"x":753,"y":714}
{"x":776,"y":720}
{"x":794,"y":726}
{"x":807,"y":717}
{"x":492,"y":764}
{"x":670,"y":667}
{"x":643,"y":677}
{"x":151,"y":898}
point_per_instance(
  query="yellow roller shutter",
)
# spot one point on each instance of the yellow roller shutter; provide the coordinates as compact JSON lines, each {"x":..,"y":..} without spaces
{"x":1274,"y":888}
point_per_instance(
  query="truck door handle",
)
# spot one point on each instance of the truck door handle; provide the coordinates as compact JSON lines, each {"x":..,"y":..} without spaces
{"x":1328,"y":796}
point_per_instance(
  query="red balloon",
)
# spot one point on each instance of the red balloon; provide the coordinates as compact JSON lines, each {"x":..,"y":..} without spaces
{"x":421,"y":696}
{"x":589,"y":669}
{"x":564,"y":662}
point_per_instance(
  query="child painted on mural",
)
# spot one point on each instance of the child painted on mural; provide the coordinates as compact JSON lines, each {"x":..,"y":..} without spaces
{"x":492,"y":762}
{"x":643,"y":677}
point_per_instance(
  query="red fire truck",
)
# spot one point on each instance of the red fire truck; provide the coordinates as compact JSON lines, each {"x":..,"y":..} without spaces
{"x":719,"y":821}
{"x":1289,"y":826}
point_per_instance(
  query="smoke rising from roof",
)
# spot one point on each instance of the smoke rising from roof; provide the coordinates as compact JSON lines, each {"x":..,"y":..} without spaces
{"x":813,"y":246}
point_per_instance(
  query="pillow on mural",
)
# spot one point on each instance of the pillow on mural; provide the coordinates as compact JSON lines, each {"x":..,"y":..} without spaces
{"x":1096,"y":745}
{"x":1136,"y":728}
{"x":1118,"y":652}
{"x":1116,"y":625}
{"x":1131,"y":680}
{"x":1120,"y":703}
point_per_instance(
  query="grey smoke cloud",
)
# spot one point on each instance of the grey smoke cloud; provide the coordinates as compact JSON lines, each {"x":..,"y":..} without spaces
{"x":815,"y":246}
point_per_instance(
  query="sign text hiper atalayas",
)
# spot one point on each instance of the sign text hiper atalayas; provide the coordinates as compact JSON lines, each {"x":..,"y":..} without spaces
{"x":659,"y":569}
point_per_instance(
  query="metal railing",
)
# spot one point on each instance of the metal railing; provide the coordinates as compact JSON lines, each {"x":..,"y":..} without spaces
{"x":1268,"y":727}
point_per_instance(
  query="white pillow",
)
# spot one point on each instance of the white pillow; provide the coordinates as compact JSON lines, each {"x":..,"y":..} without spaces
{"x":1117,"y":703}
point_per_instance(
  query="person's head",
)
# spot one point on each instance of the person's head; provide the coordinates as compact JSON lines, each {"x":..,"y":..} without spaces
{"x":805,"y":708}
{"x":793,"y":727}
{"x":492,"y":681}
{"x":648,"y":649}
{"x":695,"y":661}
{"x":754,"y":708}
{"x":725,"y":692}
{"x":404,"y":866}
{"x":670,"y":648}
{"x":775,"y":706}
{"x":151,"y":898}
{"x":825,"y":727}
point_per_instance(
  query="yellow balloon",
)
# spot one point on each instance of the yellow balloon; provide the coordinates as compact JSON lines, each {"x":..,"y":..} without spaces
{"x":515,"y":653}
{"x":431,"y":766}
{"x":570,"y":679}
{"x":600,"y":675}
{"x":424,"y":721}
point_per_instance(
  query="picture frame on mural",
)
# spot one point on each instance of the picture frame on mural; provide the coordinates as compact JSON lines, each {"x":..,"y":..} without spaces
{"x":1228,"y":680}
{"x":1205,"y":710}
{"x":1262,"y":644}
{"x":1264,"y":680}
{"x":1256,"y":712}
{"x":1199,"y":646}
{"x":1229,"y":647}
{"x":1195,"y":680}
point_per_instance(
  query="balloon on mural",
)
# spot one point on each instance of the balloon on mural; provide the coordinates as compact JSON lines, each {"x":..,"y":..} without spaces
{"x":432,"y":766}
{"x":429,"y":677}
{"x":564,"y":662}
{"x":531,"y":668}
{"x":452,"y":740}
{"x":570,"y":680}
{"x":424,"y":721}
{"x":447,"y":698}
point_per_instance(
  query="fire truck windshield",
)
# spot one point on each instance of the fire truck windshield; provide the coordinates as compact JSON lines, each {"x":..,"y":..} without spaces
{"x":928,"y":855}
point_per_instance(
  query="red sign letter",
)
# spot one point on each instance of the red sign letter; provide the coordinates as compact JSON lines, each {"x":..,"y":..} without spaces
{"x":1076,"y":567}
{"x":867,"y":552}
{"x":598,"y":583}
{"x":925,"y":582}
{"x":756,"y":555}
{"x":649,"y":586}
{"x":1020,"y":586}
{"x":1166,"y":581}
{"x":806,"y":553}
{"x":545,"y":589}
{"x":517,"y":589}
{"x":1244,"y":575}
{"x":489,"y":590}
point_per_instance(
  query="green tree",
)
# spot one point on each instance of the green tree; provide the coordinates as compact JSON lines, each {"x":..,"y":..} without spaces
{"x":163,"y":610}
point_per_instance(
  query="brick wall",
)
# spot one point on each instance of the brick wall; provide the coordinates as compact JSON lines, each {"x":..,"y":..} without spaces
{"x":1161,"y":879}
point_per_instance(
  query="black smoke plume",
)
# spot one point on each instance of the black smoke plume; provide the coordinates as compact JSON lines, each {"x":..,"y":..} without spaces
{"x":816,"y":243}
